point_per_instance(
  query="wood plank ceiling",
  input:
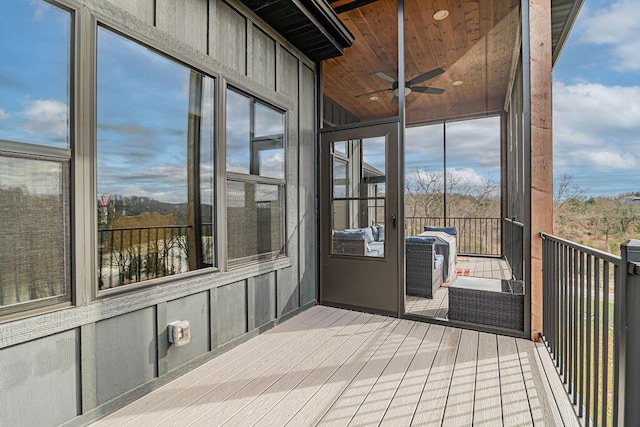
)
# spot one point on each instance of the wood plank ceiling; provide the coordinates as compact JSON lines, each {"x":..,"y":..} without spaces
{"x":475,"y":44}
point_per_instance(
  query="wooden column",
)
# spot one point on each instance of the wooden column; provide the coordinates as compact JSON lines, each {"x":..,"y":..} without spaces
{"x":541,"y":147}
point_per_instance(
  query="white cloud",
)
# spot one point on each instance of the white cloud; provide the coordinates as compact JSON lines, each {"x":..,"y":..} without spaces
{"x":3,"y":114}
{"x":609,"y":160}
{"x":617,"y":27}
{"x":39,"y":10}
{"x":596,"y":126}
{"x":465,"y":177}
{"x":46,"y":117}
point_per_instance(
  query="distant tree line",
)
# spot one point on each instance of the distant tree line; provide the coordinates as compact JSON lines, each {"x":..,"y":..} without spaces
{"x":600,"y":222}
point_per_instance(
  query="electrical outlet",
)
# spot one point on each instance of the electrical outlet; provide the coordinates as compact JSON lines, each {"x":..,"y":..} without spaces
{"x":179,"y":332}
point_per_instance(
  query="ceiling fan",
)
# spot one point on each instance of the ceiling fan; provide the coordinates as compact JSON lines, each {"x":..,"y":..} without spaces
{"x":409,"y":86}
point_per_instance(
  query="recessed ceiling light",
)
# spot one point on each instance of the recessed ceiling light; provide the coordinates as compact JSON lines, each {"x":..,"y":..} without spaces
{"x":373,"y":98}
{"x":458,"y":83}
{"x":441,"y":14}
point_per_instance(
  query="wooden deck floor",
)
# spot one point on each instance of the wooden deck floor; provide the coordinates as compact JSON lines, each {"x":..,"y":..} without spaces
{"x":438,"y":306}
{"x":329,"y":366}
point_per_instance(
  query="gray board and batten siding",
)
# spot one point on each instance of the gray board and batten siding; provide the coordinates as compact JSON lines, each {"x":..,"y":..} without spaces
{"x":75,"y":364}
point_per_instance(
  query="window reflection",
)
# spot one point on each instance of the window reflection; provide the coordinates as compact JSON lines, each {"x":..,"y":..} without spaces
{"x":34,"y":229}
{"x":155,"y":142}
{"x":255,"y":219}
{"x":255,"y":189}
{"x":255,"y":137}
{"x":358,"y":199}
{"x":35,"y":45}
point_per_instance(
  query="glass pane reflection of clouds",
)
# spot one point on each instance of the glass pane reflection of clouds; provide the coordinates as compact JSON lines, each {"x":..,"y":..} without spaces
{"x":238,"y":132}
{"x":373,"y":152}
{"x":142,"y":115}
{"x":35,"y":47}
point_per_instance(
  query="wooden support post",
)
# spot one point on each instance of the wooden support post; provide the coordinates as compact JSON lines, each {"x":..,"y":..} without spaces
{"x":540,"y":65}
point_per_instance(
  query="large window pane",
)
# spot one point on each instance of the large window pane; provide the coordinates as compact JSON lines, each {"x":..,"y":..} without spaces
{"x":35,"y":49}
{"x":473,"y":168}
{"x":255,"y":219}
{"x":424,"y":177}
{"x":255,"y":189}
{"x":155,"y":164}
{"x":238,"y":132}
{"x":34,"y":230}
{"x":255,"y":137}
{"x":358,"y":199}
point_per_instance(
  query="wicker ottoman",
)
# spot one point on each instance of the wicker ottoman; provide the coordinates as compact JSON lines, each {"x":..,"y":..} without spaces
{"x":492,"y":302}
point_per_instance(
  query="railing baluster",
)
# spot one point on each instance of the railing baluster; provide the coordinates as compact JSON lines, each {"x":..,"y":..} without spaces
{"x":580,"y":387}
{"x":588,"y":351}
{"x":616,"y":346}
{"x":596,"y":341}
{"x":605,"y":343}
{"x":579,"y":330}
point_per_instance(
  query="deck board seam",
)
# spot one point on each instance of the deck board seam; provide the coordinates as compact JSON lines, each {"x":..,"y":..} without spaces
{"x":275,"y":363}
{"x":311,"y":371}
{"x":301,"y":361}
{"x":405,"y":373}
{"x":350,"y":381}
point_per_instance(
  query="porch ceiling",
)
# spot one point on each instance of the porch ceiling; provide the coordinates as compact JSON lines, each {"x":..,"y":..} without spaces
{"x":311,"y":25}
{"x":475,"y":44}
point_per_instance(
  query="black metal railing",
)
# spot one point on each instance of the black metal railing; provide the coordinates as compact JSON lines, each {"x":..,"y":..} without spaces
{"x":130,"y":255}
{"x":514,"y":246}
{"x":475,"y":236}
{"x":581,"y":300}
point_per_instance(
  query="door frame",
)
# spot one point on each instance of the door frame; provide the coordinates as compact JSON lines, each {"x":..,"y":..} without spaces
{"x":399,"y":230}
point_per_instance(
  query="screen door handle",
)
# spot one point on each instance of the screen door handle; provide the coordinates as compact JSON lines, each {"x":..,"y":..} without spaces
{"x":393,"y":221}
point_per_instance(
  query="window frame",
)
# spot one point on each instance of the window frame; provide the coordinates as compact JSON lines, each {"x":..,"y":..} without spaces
{"x":281,"y":183}
{"x":218,"y":85}
{"x":36,"y":151}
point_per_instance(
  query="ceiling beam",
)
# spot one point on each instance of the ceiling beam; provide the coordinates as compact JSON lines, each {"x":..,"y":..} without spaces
{"x":353,"y":5}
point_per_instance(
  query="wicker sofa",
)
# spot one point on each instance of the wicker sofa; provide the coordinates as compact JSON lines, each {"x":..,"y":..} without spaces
{"x":423,"y":267}
{"x":366,"y":241}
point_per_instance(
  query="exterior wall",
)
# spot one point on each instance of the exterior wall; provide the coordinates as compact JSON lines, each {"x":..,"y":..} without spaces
{"x":84,"y":361}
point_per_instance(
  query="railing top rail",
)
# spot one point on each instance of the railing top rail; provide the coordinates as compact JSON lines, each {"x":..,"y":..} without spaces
{"x":514,"y":222}
{"x":454,"y":217}
{"x":605,"y":256}
{"x":151,"y":227}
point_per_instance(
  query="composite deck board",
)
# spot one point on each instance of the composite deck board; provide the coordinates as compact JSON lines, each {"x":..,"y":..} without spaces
{"x":515,"y":403}
{"x":404,"y":402}
{"x":433,"y":401}
{"x":557,"y":389}
{"x":377,"y":401}
{"x":226,"y":388}
{"x":273,"y":400}
{"x":151,"y":405}
{"x":311,"y":400}
{"x":348,"y":403}
{"x":542,"y":410}
{"x":190,"y":398}
{"x":297,"y":366}
{"x":337,"y":367}
{"x":459,"y":407}
{"x":487,"y":408}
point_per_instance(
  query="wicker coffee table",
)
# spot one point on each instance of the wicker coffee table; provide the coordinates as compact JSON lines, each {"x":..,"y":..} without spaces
{"x":492,"y":302}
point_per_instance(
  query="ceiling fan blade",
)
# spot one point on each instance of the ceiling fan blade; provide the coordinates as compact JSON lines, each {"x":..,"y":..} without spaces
{"x":385,"y":77}
{"x":394,"y":100}
{"x":426,"y":76}
{"x":429,"y":90}
{"x":374,"y":92}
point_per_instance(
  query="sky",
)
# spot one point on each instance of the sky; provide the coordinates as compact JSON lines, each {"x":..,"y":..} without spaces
{"x":596,"y":99}
{"x":143,"y":108}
